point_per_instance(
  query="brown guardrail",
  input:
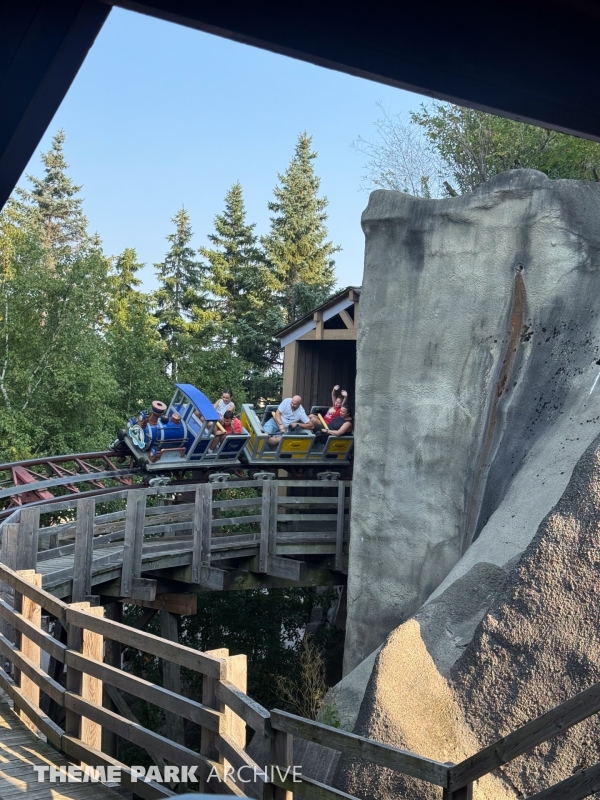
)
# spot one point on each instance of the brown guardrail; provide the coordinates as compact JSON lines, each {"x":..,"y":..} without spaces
{"x":226,"y":709}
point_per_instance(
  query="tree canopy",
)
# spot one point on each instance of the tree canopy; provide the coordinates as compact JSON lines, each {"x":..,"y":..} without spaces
{"x":442,"y":148}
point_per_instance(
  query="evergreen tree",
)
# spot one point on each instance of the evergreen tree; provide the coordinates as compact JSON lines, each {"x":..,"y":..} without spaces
{"x":297,"y":248}
{"x":240,"y":284}
{"x":179,"y":295}
{"x":137,"y":352}
{"x":55,"y":203}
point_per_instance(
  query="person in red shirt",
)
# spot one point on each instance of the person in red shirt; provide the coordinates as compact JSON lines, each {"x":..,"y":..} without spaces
{"x":231,"y":425}
{"x":337,"y":402}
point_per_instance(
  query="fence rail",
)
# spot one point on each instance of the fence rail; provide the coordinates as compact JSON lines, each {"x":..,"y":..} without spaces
{"x":86,"y":657}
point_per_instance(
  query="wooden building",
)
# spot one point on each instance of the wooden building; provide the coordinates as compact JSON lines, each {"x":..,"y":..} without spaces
{"x":320,"y":350}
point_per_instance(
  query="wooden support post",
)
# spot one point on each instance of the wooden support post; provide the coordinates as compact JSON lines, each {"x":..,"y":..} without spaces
{"x":290,"y":363}
{"x":208,"y":740}
{"x":91,"y":645}
{"x":112,"y":656}
{"x":91,"y":688}
{"x":84,"y":549}
{"x":28,"y":538}
{"x":133,"y":539}
{"x":202,"y":529}
{"x":265,"y":525}
{"x":273,"y":520}
{"x":171,"y":676}
{"x":318,"y":317}
{"x":282,"y":756}
{"x":465,"y":793}
{"x":10,"y":543}
{"x":237,"y":673}
{"x":339,"y":533}
{"x":32,"y":612}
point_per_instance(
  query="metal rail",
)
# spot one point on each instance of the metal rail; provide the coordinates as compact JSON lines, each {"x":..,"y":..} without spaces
{"x":39,"y":480}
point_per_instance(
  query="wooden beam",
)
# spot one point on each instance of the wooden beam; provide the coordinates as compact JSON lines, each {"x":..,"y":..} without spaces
{"x":83,"y":550}
{"x":347,"y":319}
{"x":171,"y":675}
{"x":290,"y":365}
{"x":91,"y":687}
{"x":318,"y":331}
{"x":32,"y":612}
{"x":330,"y":335}
{"x":183,"y":603}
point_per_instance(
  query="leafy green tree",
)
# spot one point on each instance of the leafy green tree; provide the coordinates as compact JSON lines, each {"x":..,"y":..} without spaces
{"x":447,"y":149}
{"x":56,"y":389}
{"x":179,"y":295}
{"x":297,"y":248}
{"x":476,"y":146}
{"x":240,"y":283}
{"x":137,"y":352}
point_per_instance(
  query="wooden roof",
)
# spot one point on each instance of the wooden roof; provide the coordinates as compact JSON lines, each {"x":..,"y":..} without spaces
{"x":335,"y":306}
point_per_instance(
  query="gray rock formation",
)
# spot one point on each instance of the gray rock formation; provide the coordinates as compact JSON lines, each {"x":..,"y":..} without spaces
{"x":479,"y":341}
{"x":449,"y":682}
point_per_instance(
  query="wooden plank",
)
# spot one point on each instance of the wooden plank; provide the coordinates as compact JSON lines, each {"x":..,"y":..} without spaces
{"x":28,"y":538}
{"x":273,"y":520}
{"x":206,"y":531}
{"x":222,"y":521}
{"x":330,"y":335}
{"x":358,"y":747}
{"x":148,"y":643}
{"x":236,"y":756}
{"x":237,"y":675}
{"x":10,"y":544}
{"x":245,"y":502}
{"x":171,"y":675}
{"x":150,"y":692}
{"x":282,"y":755}
{"x":580,"y":785}
{"x":257,"y":717}
{"x":83,"y":550}
{"x":308,"y":788}
{"x":347,"y":319}
{"x":290,"y":363}
{"x":32,"y":612}
{"x":137,"y":734}
{"x":465,"y":793}
{"x":133,"y":540}
{"x":307,"y":517}
{"x":49,"y":728}
{"x":533,"y":733}
{"x":36,"y":677}
{"x":81,"y":752}
{"x":294,"y":550}
{"x":263,"y":553}
{"x":91,"y":685}
{"x":56,"y":607}
{"x":47,"y":642}
{"x":184,"y":604}
{"x":291,"y":569}
{"x":339,"y":539}
{"x":209,"y":739}
{"x":197,"y":535}
{"x":142,"y":589}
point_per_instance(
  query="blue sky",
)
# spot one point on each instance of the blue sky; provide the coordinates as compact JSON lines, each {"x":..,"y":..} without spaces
{"x":162,"y":116}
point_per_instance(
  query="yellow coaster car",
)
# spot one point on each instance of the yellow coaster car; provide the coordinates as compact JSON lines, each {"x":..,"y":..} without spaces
{"x":300,"y":449}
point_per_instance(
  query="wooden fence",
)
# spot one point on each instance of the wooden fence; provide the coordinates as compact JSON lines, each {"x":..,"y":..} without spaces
{"x":226,"y":711}
{"x":275,"y":531}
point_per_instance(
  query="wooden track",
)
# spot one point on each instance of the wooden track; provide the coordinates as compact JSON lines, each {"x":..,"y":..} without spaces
{"x":20,"y":751}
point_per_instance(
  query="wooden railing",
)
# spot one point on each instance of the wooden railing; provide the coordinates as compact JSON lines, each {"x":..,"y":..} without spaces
{"x":226,"y":711}
{"x":279,"y":529}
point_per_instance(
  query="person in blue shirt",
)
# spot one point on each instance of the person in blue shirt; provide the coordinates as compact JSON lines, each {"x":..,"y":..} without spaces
{"x":289,"y":417}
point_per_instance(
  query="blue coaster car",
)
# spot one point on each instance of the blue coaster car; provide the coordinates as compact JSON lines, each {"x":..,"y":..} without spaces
{"x":179,"y":437}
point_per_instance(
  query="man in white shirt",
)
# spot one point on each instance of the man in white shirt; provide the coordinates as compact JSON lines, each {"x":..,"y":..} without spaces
{"x":289,"y":417}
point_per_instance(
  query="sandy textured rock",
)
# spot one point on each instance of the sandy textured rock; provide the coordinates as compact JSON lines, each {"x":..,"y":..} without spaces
{"x":479,"y":335}
{"x":537,"y":646}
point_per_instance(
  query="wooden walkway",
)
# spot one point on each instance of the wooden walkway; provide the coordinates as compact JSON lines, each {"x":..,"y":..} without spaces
{"x":20,"y":751}
{"x":210,"y":542}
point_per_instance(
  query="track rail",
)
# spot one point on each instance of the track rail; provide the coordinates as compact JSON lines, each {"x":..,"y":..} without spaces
{"x":40,"y":480}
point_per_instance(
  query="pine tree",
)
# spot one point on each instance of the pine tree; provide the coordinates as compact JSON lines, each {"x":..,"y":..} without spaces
{"x":297,"y":248}
{"x":55,"y":203}
{"x":179,"y":295}
{"x":240,"y":284}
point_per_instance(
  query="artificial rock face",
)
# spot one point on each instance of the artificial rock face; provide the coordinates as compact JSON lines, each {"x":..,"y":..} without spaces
{"x":476,"y":394}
